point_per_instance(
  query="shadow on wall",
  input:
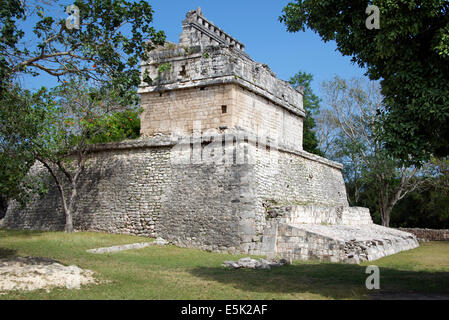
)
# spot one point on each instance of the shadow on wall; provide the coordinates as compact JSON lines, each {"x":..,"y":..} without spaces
{"x":331,"y":281}
{"x":88,"y":189}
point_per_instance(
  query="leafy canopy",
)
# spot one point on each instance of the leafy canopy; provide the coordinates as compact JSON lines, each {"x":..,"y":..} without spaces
{"x":311,"y":106}
{"x":409,"y":54}
{"x":114,"y":36}
{"x":22,"y":118}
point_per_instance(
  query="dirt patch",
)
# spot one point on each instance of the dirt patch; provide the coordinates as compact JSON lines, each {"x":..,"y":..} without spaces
{"x":29,"y":273}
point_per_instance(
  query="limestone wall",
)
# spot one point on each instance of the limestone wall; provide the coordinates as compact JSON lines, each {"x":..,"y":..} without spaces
{"x":120,"y":193}
{"x":181,"y":110}
{"x":137,"y":188}
{"x":350,"y":244}
{"x":429,"y":234}
{"x":257,"y":114}
{"x":197,"y":30}
{"x":297,"y":177}
{"x":193,"y":67}
{"x":284,"y":177}
{"x":319,"y":214}
{"x":207,"y":109}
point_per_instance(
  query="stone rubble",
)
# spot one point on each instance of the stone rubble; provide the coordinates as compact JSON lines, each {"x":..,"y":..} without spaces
{"x":30,"y":273}
{"x":250,"y":263}
{"x":428,"y":234}
{"x":159,"y":242}
{"x":120,"y":248}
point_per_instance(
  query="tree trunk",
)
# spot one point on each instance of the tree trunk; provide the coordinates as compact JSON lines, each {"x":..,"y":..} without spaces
{"x":385,"y":216}
{"x":70,"y":208}
{"x":68,"y":222}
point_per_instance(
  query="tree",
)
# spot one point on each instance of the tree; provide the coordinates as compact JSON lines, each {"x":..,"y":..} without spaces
{"x":440,"y":169}
{"x":119,"y":126}
{"x":74,"y":117}
{"x":113,"y":37}
{"x":311,"y":107}
{"x":409,"y":54}
{"x":21,"y":120}
{"x":428,"y":208}
{"x":351,"y":124}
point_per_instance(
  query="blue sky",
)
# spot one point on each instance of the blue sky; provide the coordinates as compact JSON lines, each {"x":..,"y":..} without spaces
{"x":254,"y":23}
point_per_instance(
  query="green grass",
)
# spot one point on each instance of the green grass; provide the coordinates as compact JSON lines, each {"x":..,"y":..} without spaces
{"x":178,"y":273}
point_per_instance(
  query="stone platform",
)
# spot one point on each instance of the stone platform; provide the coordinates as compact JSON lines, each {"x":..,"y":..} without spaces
{"x":332,"y":234}
{"x":219,"y":166}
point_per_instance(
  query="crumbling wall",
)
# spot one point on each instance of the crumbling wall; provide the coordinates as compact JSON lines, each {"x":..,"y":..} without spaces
{"x":429,"y":234}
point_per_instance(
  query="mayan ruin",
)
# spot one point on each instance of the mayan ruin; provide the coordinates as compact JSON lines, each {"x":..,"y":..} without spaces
{"x":219,"y":166}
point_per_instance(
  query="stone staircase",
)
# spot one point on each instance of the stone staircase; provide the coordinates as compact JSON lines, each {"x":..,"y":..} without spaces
{"x":335,"y":234}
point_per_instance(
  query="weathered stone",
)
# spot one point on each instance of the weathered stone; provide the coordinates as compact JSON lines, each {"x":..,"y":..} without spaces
{"x":161,"y":242}
{"x":230,"y":264}
{"x":219,"y":166}
{"x":428,"y":234}
{"x":120,"y":248}
{"x":29,"y":273}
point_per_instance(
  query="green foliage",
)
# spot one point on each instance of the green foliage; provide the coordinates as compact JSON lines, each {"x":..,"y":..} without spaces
{"x":21,"y":121}
{"x":117,"y":127}
{"x":424,"y":209}
{"x":77,"y":114}
{"x":428,"y":208}
{"x":11,"y":11}
{"x":114,"y":36}
{"x":311,"y":107}
{"x":164,"y":67}
{"x":409,"y":54}
{"x":374,"y":178}
{"x":81,"y":114}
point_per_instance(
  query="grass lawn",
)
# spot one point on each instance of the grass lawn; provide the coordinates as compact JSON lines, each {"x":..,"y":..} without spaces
{"x":178,"y":273}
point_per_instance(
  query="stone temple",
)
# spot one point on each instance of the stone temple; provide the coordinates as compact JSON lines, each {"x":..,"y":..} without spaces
{"x":219,"y":165}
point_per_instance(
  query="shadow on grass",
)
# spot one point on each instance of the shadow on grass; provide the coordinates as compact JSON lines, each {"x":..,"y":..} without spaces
{"x":19,"y":233}
{"x":6,"y":253}
{"x":332,"y":281}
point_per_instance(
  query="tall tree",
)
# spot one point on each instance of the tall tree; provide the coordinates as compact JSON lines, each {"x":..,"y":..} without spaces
{"x":311,"y":107}
{"x":112,"y":38}
{"x":409,"y":54}
{"x":74,"y":116}
{"x":21,"y":121}
{"x":351,"y":122}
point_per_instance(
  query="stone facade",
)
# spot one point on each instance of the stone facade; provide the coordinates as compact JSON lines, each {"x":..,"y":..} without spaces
{"x":219,"y":165}
{"x":428,"y":234}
